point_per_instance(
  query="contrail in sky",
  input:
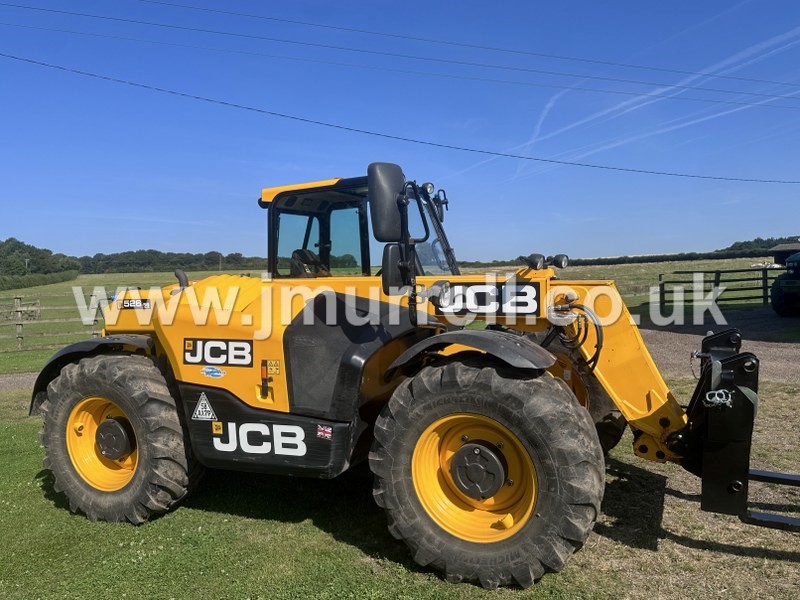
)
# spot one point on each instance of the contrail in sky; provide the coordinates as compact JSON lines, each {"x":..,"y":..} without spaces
{"x":750,"y":55}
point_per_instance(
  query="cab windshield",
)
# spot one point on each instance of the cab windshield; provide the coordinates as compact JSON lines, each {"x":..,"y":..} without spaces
{"x":434,"y":254}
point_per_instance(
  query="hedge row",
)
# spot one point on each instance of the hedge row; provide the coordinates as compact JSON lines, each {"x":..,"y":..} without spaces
{"x":624,"y":260}
{"x":15,"y":282}
{"x":683,"y":256}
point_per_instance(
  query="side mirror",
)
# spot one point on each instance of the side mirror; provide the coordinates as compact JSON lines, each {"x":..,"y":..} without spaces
{"x":392,"y":280}
{"x":385,"y":182}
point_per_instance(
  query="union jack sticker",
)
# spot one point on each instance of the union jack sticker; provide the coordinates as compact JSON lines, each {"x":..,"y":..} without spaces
{"x":325,"y":432}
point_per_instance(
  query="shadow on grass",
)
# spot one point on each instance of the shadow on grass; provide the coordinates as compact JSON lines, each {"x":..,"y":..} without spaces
{"x":769,"y":506}
{"x":635,"y":502}
{"x":343,"y":506}
{"x":47,"y":482}
{"x":735,"y":549}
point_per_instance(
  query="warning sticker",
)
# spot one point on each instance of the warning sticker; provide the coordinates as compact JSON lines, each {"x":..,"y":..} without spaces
{"x":203,"y":410}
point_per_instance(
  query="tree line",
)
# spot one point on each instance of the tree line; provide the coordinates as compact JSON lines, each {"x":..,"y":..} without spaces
{"x":143,"y":261}
{"x":757,"y":248}
{"x":18,"y":259}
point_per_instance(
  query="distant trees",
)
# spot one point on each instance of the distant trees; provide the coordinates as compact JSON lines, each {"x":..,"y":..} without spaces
{"x":23,"y":265}
{"x":750,"y":249}
{"x":138,"y":261}
{"x":762,"y":243}
{"x":344,"y":261}
{"x":18,"y":258}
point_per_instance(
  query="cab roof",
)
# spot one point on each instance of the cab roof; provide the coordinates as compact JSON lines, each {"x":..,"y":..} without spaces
{"x":352,"y":185}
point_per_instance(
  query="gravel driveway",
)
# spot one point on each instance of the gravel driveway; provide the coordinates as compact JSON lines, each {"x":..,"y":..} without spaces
{"x":17,"y":381}
{"x":780,"y":361}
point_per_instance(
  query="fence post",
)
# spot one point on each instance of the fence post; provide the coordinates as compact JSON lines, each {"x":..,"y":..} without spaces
{"x":18,"y":313}
{"x":765,"y":284}
{"x":662,"y":292}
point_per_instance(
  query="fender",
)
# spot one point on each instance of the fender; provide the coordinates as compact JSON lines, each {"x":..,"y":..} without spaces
{"x":132,"y":343}
{"x":515,"y":350}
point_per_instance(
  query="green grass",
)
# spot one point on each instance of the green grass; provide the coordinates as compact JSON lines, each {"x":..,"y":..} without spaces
{"x":25,"y":361}
{"x":239,"y":536}
{"x":250,"y":536}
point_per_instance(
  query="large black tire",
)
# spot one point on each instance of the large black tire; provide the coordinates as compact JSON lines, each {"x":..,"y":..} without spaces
{"x":608,"y":419}
{"x":543,"y":421}
{"x":784,"y":304}
{"x":147,"y":480}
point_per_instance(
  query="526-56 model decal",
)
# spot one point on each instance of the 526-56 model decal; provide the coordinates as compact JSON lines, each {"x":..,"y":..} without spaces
{"x":491,"y":298}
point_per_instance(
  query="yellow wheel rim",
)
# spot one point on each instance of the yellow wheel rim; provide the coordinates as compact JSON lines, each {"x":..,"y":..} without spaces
{"x":493,"y":519}
{"x":98,"y":471}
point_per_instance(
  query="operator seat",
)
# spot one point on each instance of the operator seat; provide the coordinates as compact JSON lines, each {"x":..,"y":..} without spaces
{"x":304,"y":263}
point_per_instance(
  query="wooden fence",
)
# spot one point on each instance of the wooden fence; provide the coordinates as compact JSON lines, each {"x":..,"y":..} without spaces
{"x":21,"y":320}
{"x":741,"y":285}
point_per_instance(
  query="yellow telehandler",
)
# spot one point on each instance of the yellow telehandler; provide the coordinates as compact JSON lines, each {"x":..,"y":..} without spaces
{"x":487,"y":445}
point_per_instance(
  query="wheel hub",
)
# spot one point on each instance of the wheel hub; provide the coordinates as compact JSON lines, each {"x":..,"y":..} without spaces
{"x":112,"y":439}
{"x":478,"y":470}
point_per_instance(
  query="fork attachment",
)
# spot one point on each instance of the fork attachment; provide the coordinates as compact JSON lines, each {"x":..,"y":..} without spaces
{"x":716,"y":442}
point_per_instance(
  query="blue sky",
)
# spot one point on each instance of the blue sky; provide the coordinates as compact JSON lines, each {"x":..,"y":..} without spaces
{"x":90,"y":166}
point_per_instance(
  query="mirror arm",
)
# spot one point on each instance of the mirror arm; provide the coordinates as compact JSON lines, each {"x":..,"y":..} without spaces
{"x":422,"y":217}
{"x":408,"y":263}
{"x":412,"y":278}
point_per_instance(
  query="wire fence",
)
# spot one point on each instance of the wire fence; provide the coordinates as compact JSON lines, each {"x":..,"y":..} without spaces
{"x":43,"y":322}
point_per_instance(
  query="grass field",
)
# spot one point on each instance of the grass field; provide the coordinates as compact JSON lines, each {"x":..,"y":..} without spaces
{"x":246,"y":536}
{"x":58,"y":302}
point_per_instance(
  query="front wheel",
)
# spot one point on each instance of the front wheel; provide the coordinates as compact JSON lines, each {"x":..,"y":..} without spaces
{"x":487,"y":475}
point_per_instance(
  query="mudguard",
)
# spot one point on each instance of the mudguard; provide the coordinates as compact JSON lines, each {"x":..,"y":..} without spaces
{"x":515,"y":350}
{"x":74,"y":352}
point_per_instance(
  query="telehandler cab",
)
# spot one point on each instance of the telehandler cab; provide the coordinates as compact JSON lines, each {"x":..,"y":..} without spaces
{"x":486,"y":445}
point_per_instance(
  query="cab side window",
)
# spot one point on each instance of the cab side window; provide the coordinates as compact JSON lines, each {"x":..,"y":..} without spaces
{"x":344,"y":246}
{"x":298,"y":239}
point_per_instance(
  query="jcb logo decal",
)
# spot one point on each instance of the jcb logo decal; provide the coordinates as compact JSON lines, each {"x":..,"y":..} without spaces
{"x":254,"y":438}
{"x":506,"y":299}
{"x":232,"y":353}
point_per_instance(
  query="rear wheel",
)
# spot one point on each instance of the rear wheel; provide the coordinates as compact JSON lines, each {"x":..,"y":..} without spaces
{"x":783,"y":303}
{"x":113,"y":440}
{"x":488,"y":476}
